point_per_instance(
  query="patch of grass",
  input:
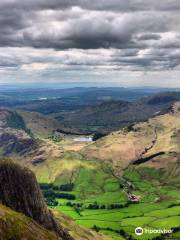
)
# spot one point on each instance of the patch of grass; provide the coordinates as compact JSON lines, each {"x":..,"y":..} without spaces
{"x":169,"y":222}
{"x":68,"y":211}
{"x":173,"y":211}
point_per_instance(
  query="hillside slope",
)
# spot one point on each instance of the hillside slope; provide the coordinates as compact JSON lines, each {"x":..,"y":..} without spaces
{"x":113,"y":115}
{"x":20,"y":191}
{"x":39,"y":124}
{"x":154,"y":142}
{"x":14,"y":225}
{"x":19,"y":142}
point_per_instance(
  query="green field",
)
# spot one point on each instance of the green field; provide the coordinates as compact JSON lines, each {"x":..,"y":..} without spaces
{"x":101,"y":199}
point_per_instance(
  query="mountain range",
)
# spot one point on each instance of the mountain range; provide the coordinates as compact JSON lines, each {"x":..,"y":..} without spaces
{"x":129,"y":176}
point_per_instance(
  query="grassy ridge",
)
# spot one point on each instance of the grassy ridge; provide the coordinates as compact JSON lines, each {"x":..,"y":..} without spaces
{"x":14,"y":225}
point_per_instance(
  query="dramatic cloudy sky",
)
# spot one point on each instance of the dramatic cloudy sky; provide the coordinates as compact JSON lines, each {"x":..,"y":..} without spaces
{"x":123,"y":42}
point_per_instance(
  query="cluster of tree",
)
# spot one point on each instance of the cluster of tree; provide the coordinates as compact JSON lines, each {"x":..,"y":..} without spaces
{"x":95,"y":205}
{"x":68,"y":187}
{"x":52,"y":202}
{"x":65,"y":195}
{"x":50,"y":193}
{"x":70,"y":204}
{"x":55,"y":138}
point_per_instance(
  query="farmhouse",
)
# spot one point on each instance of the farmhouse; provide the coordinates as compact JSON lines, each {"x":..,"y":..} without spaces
{"x":133,"y":198}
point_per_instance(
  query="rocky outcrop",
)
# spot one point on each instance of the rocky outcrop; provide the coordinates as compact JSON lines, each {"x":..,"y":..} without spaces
{"x":16,"y":142}
{"x":15,"y":139}
{"x":20,"y":191}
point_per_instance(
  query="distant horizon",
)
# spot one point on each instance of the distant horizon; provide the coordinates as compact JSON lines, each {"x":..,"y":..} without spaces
{"x":79,"y":85}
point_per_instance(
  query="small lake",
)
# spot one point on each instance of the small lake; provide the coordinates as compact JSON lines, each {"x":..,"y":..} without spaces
{"x":83,"y":139}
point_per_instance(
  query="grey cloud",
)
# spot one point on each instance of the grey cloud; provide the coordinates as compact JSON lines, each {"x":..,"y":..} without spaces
{"x":94,"y":30}
{"x":136,"y":33}
{"x":28,"y":23}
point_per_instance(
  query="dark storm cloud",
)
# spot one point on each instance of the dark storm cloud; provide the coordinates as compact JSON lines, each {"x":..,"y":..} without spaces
{"x":129,"y":34}
{"x":83,"y":24}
